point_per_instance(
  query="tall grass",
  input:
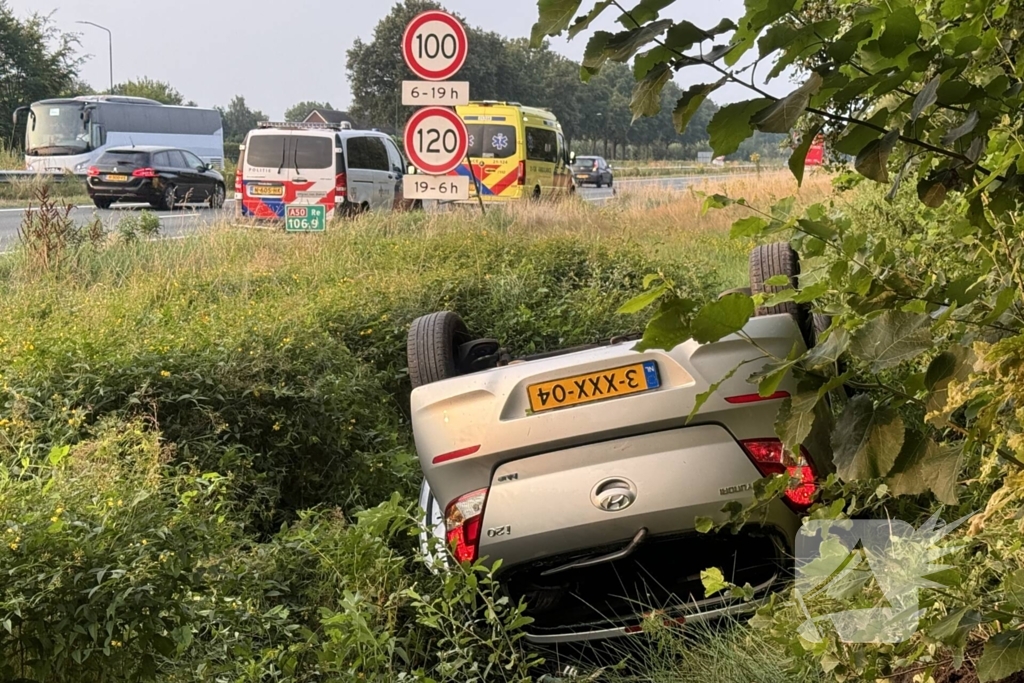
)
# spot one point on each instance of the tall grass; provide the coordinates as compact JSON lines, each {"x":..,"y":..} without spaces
{"x":23,"y":191}
{"x":11,"y":159}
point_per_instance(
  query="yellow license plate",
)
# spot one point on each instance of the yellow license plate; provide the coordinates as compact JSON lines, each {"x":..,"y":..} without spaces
{"x":266,"y":190}
{"x":595,"y":386}
{"x":117,"y":179}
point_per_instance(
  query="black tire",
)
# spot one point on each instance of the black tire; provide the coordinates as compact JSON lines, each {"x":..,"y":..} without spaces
{"x":103,"y":202}
{"x":433,"y":347}
{"x":611,"y":181}
{"x":169,"y":199}
{"x":600,"y":184}
{"x":821,"y":323}
{"x":768,"y":261}
{"x":216,"y":200}
{"x":536,"y":194}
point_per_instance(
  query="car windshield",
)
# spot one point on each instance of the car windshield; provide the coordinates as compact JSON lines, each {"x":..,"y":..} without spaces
{"x":124,"y":157}
{"x":492,"y":141}
{"x":56,"y":129}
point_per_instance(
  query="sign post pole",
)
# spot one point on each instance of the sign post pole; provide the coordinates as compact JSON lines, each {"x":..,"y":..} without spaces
{"x":476,"y":184}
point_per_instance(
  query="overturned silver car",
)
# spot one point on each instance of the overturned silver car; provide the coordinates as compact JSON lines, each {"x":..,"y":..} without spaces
{"x":579,"y":471}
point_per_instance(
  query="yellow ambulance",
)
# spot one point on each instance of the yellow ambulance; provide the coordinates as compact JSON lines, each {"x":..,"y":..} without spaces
{"x":515,"y":152}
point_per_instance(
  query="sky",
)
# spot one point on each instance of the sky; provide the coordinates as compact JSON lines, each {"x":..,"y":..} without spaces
{"x":278,"y":53}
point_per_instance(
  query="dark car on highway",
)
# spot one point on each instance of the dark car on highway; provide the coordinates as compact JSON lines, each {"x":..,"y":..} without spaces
{"x":162,"y":176}
{"x":592,"y":171}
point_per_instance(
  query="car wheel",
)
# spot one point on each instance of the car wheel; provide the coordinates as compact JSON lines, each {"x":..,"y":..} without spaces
{"x":771,"y":260}
{"x":599,"y":184}
{"x":536,"y":194}
{"x":611,"y":181}
{"x":102,"y":203}
{"x":217,"y":198}
{"x":169,"y":199}
{"x":433,"y":347}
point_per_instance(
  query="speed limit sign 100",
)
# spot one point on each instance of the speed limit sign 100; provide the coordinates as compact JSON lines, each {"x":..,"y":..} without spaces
{"x":435,"y":45}
{"x":436,"y":140}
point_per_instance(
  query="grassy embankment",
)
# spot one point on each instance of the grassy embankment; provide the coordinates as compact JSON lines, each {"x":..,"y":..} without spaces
{"x":196,"y":436}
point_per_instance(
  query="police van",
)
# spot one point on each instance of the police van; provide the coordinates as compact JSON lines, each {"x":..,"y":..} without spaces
{"x":515,"y":152}
{"x":348,"y":171}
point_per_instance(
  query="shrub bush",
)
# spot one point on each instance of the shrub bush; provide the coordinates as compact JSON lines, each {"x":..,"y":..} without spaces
{"x":195,"y":437}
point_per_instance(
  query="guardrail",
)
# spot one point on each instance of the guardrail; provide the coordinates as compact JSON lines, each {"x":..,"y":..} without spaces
{"x":55,"y":176}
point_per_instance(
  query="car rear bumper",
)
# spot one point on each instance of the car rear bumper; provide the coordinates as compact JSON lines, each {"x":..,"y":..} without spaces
{"x":141,"y":189}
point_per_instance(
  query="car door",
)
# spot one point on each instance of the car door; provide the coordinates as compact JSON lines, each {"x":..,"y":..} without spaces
{"x":361,"y":177}
{"x":398,"y":167}
{"x":180,"y":177}
{"x":371,"y":182}
{"x":563,"y":167}
{"x":383,"y":175}
{"x":201,"y":180}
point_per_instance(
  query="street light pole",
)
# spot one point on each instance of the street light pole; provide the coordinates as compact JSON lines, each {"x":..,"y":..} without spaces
{"x":110,"y":46}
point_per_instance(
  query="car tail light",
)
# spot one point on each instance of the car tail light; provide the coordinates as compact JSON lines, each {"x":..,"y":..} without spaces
{"x":462,"y":521}
{"x":522,"y":172}
{"x":771,"y":458}
{"x":92,"y":172}
{"x":144,"y":173}
{"x":238,"y":181}
{"x":756,"y":398}
{"x":340,"y":186}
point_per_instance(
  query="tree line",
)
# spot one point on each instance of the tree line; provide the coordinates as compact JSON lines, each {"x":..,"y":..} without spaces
{"x":43,"y":62}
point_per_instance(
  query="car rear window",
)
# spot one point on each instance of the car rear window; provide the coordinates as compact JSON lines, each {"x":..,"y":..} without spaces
{"x":313,"y":152}
{"x":585,"y":162}
{"x":492,"y":141}
{"x":124,"y":158}
{"x":266,"y":151}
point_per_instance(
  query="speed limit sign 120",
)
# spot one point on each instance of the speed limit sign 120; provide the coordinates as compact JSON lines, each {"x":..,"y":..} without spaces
{"x":436,"y":140}
{"x":435,"y":45}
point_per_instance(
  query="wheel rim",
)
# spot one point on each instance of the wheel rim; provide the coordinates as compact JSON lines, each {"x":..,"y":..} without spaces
{"x":169,"y":198}
{"x":218,"y":197}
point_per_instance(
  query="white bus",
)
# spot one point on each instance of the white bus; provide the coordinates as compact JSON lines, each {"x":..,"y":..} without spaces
{"x":69,"y":134}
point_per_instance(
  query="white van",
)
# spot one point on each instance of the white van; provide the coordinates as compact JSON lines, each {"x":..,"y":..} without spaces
{"x":294,"y":164}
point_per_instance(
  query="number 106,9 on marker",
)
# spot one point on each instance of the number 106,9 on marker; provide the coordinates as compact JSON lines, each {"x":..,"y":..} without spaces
{"x":444,"y":188}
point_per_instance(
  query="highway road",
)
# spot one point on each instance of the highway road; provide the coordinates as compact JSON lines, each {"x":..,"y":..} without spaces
{"x":187,"y":220}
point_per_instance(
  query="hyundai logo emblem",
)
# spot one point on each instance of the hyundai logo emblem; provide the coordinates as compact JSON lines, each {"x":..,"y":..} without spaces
{"x":614,"y":495}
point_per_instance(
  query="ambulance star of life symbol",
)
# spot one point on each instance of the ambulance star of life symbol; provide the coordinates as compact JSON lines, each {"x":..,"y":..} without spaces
{"x":499,"y":141}
{"x":837,"y":559}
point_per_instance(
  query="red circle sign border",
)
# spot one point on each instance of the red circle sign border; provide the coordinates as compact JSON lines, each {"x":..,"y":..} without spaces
{"x":460,"y":56}
{"x":410,"y":148}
